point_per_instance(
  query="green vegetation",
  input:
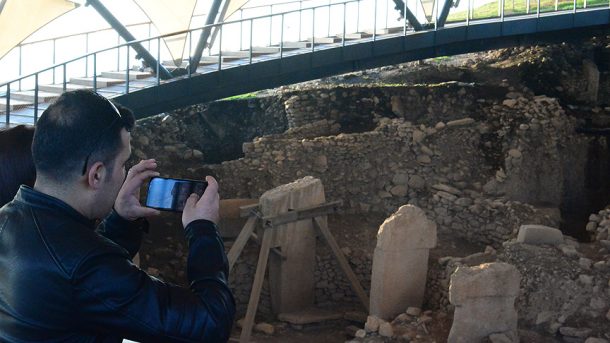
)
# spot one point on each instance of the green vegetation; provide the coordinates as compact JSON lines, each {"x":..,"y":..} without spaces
{"x":441,"y":58}
{"x":241,"y":96}
{"x":518,"y":7}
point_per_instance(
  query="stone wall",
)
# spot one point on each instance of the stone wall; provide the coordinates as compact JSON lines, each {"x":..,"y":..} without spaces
{"x":467,"y":155}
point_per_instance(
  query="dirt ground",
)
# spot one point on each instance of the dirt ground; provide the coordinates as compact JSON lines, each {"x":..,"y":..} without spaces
{"x":164,"y":250}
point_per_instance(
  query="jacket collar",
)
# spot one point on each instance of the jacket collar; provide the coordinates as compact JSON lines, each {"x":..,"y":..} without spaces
{"x":44,"y":201}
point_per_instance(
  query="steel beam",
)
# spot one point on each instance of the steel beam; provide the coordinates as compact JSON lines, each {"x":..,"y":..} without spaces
{"x":205,"y":34}
{"x":400,"y":7}
{"x":128,"y":37}
{"x":442,"y":18}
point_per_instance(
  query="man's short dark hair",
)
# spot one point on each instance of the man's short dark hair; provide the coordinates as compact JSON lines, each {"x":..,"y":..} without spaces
{"x":78,"y":129}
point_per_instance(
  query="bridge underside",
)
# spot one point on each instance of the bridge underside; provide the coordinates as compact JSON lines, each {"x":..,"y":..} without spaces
{"x":365,"y":55}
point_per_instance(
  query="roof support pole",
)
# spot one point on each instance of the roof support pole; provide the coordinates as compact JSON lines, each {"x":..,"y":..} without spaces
{"x":442,"y":18}
{"x":205,"y":34}
{"x":128,"y":37}
{"x":217,"y":28}
{"x":400,"y":6}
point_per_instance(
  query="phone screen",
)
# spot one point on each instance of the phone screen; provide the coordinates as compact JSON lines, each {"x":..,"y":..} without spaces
{"x":171,"y":194}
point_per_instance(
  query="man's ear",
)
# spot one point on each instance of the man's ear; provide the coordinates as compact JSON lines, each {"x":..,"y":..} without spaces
{"x":96,"y":174}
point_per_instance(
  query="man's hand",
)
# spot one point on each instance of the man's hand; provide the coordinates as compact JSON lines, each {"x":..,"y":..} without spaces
{"x":127,"y":203}
{"x":204,"y":208}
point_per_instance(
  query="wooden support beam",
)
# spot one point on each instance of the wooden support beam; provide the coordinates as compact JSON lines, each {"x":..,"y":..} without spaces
{"x":241,"y":241}
{"x":246,"y":211}
{"x":257,"y":286}
{"x":321,"y":226}
{"x":302,"y":213}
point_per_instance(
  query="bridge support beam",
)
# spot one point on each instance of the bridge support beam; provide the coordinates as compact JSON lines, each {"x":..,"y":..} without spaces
{"x":205,"y":34}
{"x":405,"y":12}
{"x":442,"y":17}
{"x":128,"y":37}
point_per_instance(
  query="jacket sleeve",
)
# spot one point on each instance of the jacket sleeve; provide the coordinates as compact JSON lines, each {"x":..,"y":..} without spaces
{"x":116,"y":297}
{"x":125,"y":233}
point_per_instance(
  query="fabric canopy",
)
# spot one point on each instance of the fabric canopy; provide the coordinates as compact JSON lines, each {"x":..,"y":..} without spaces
{"x":232,"y":7}
{"x":19,"y":19}
{"x":170,"y":16}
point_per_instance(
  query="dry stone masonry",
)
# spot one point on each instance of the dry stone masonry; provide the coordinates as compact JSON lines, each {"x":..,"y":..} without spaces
{"x":499,"y":166}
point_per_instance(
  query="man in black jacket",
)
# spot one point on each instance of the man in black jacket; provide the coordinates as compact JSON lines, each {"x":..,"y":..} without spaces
{"x":63,"y":279}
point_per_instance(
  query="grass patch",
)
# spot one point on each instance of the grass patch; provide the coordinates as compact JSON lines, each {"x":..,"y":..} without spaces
{"x":241,"y":96}
{"x":519,"y":7}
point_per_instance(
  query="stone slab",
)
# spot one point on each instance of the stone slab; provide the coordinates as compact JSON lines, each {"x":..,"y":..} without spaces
{"x":485,"y":280}
{"x":291,"y":279}
{"x":539,"y":234}
{"x":407,"y":228}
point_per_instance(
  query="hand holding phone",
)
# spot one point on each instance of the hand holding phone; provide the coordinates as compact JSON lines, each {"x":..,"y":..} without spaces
{"x":127,"y":203}
{"x":168,"y":194}
{"x":204,"y":207}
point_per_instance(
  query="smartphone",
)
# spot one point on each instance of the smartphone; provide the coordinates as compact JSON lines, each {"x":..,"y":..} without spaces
{"x":170,"y":194}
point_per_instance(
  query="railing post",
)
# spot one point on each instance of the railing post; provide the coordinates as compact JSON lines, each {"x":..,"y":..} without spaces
{"x":271,"y":26}
{"x":127,"y":71}
{"x":190,"y":72}
{"x":313,"y":29}
{"x":282,"y":38}
{"x":35,"y":98}
{"x":328,"y":25}
{"x":404,"y":27}
{"x":574,"y":9}
{"x":527,"y":7}
{"x":149,"y":34}
{"x":584,"y":4}
{"x":158,"y":60}
{"x":8,"y":104}
{"x":20,"y":67}
{"x":557,"y":4}
{"x":65,"y":83}
{"x":344,"y":24}
{"x":118,"y":52}
{"x":468,"y":13}
{"x":251,"y":33}
{"x":220,"y":47}
{"x":54,"y":41}
{"x":358,"y":17}
{"x":87,"y":55}
{"x":538,"y":10}
{"x":436,"y":14}
{"x":375,"y":22}
{"x":241,"y":28}
{"x":95,"y":72}
{"x":300,"y":18}
{"x":386,"y":12}
{"x":502,"y":3}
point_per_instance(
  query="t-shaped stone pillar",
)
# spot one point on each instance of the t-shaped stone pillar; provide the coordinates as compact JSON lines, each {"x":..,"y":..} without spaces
{"x":291,"y":280}
{"x":400,"y":262}
{"x":484,"y":298}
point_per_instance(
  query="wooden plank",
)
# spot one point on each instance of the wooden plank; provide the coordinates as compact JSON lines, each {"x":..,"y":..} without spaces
{"x":303,"y":213}
{"x":240,"y":242}
{"x":257,"y":286}
{"x":273,"y":250}
{"x":321,"y":226}
{"x":246,"y":211}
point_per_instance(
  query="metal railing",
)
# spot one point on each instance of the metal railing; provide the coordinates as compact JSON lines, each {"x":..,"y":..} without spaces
{"x":86,"y":35}
{"x":280,"y":44}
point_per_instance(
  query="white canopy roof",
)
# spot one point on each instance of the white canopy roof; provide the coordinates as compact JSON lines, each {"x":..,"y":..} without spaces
{"x":19,"y":19}
{"x":170,"y":16}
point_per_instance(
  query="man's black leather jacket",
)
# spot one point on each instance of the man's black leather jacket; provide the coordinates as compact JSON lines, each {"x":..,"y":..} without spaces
{"x":60,"y":280}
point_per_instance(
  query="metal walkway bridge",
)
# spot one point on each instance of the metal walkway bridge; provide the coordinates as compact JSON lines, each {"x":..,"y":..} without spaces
{"x":289,"y":58}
